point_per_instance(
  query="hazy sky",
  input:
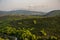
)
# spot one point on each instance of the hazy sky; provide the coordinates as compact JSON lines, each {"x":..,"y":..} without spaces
{"x":36,"y":5}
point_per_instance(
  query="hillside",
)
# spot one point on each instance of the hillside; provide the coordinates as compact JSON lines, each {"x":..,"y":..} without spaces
{"x":53,"y":13}
{"x":30,"y":27}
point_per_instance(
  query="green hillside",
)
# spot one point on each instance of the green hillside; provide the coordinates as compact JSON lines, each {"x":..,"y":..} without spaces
{"x":54,"y":13}
{"x":29,"y":28}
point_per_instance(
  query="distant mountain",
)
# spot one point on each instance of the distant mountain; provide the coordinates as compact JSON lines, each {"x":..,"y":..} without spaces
{"x":53,"y":13}
{"x":27,"y":12}
{"x":21,"y":12}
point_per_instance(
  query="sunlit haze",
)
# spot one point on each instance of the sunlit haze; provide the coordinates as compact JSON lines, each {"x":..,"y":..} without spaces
{"x":35,"y":5}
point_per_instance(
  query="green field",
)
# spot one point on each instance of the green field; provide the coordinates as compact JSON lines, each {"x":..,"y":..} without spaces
{"x":29,"y":28}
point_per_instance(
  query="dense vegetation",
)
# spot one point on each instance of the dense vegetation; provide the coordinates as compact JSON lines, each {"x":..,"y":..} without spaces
{"x":29,"y":28}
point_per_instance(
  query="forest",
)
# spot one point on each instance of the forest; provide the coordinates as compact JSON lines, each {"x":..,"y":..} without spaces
{"x":29,"y":28}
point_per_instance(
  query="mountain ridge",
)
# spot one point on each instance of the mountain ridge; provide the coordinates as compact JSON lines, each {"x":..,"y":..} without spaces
{"x":27,"y":12}
{"x":53,"y":13}
{"x":24,"y":12}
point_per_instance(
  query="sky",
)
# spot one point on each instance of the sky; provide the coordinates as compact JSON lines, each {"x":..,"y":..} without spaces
{"x":34,"y":5}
